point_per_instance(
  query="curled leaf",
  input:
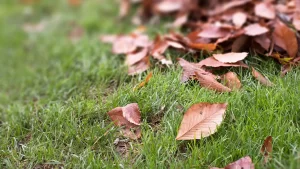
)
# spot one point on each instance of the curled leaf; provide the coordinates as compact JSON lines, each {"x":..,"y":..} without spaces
{"x":230,"y":57}
{"x":243,"y":163}
{"x":212,"y":62}
{"x":265,"y":10}
{"x":231,"y":80}
{"x":201,"y":120}
{"x":255,"y":30}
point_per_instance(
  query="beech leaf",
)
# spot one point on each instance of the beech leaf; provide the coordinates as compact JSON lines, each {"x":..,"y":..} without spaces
{"x":201,"y":120}
{"x":230,"y":57}
{"x":208,"y":81}
{"x":255,"y":30}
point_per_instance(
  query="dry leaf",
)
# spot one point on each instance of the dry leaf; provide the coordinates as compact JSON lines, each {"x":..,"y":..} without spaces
{"x":212,"y":62}
{"x":189,"y":69}
{"x":266,"y":149}
{"x":167,"y":6}
{"x":262,"y":79}
{"x":224,"y":7}
{"x":124,"y":8}
{"x":255,"y":30}
{"x":230,"y":57}
{"x":139,"y":67}
{"x":201,"y":120}
{"x":296,"y":17}
{"x":135,"y":57}
{"x":243,"y":163}
{"x":265,"y":10}
{"x":240,"y":43}
{"x":212,"y":31}
{"x":285,"y":38}
{"x":128,"y":116}
{"x":239,"y":19}
{"x":264,"y":41}
{"x":231,"y":80}
{"x":142,"y":84}
{"x":123,"y":45}
{"x":210,"y":82}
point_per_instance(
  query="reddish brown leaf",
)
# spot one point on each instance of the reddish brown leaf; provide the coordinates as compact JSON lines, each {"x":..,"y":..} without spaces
{"x":189,"y":69}
{"x":266,"y":149}
{"x":230,"y":57}
{"x":139,"y":67}
{"x":123,"y":45}
{"x":255,"y":30}
{"x":296,"y":17}
{"x":262,"y":79}
{"x":202,"y":46}
{"x":285,"y":38}
{"x":124,"y":8}
{"x":265,"y":10}
{"x":135,"y":57}
{"x":231,"y":80}
{"x":212,"y":31}
{"x":240,"y":43}
{"x":243,"y":163}
{"x":224,"y":7}
{"x":201,"y":120}
{"x":212,"y":62}
{"x":239,"y":19}
{"x":167,"y":6}
{"x":142,"y":84}
{"x":264,"y":41}
{"x":210,"y":82}
{"x":128,"y":116}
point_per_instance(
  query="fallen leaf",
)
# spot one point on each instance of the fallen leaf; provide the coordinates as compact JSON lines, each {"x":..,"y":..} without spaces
{"x":210,"y":82}
{"x":123,"y":45}
{"x":167,"y":6}
{"x":128,"y":117}
{"x":142,"y":84}
{"x":255,"y":30}
{"x":212,"y":31}
{"x":264,"y":41}
{"x":265,"y":10}
{"x":201,"y":46}
{"x":212,"y":62}
{"x":243,"y":163}
{"x":124,"y":8}
{"x":285,"y":38}
{"x":296,"y":16}
{"x":262,"y":79}
{"x":231,"y":80}
{"x":139,"y":67}
{"x":239,"y":19}
{"x":226,"y":6}
{"x":135,"y":57}
{"x":266,"y":149}
{"x":189,"y":69}
{"x":240,"y":43}
{"x":230,"y":57}
{"x":201,"y":120}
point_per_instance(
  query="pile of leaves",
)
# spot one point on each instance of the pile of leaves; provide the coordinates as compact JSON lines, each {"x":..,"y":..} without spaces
{"x":226,"y":31}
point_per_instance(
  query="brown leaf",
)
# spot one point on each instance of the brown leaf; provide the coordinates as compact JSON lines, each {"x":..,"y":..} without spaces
{"x":243,"y":163}
{"x":230,"y":57}
{"x":210,"y":82}
{"x":212,"y":62}
{"x":265,"y":10}
{"x":142,"y":84}
{"x":239,"y":19}
{"x":285,"y":38}
{"x":296,"y":17}
{"x":212,"y":31}
{"x":264,"y":41}
{"x":202,"y":46}
{"x":240,"y":43}
{"x":266,"y":149}
{"x":168,"y":6}
{"x":226,"y":6}
{"x":135,"y":57}
{"x":255,"y":30}
{"x":231,"y":80}
{"x":262,"y":79}
{"x":128,"y":116}
{"x":139,"y":67}
{"x":201,"y":120}
{"x":189,"y":69}
{"x":123,"y":45}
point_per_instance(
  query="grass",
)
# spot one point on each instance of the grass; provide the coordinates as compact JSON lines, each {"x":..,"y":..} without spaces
{"x":54,"y":96}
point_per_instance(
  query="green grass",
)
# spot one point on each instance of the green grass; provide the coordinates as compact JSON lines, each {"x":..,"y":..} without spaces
{"x":54,"y":96}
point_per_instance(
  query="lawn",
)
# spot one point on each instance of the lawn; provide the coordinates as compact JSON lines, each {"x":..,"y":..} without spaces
{"x":54,"y":96}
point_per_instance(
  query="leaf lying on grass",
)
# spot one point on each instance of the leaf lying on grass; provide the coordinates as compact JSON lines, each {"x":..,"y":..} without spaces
{"x":142,"y":84}
{"x":266,"y":149}
{"x":201,"y":120}
{"x":262,"y":79}
{"x":128,"y":117}
{"x":243,"y":163}
{"x":231,"y":80}
{"x":230,"y":57}
{"x":208,"y":81}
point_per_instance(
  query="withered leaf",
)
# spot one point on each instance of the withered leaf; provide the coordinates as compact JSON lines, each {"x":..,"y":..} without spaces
{"x":139,"y":67}
{"x":208,"y":81}
{"x":243,"y":163}
{"x":167,"y":6}
{"x":231,"y":80}
{"x":255,"y":30}
{"x":262,"y":79}
{"x":129,"y":117}
{"x":213,"y":31}
{"x":265,"y":10}
{"x":266,"y":149}
{"x":285,"y":38}
{"x":239,"y":19}
{"x":230,"y":57}
{"x":296,"y":16}
{"x":189,"y":69}
{"x":201,"y":120}
{"x":142,"y":84}
{"x":124,"y":8}
{"x":135,"y":57}
{"x":212,"y":62}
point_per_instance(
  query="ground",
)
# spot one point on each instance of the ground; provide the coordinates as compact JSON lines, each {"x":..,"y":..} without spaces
{"x":54,"y":96}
